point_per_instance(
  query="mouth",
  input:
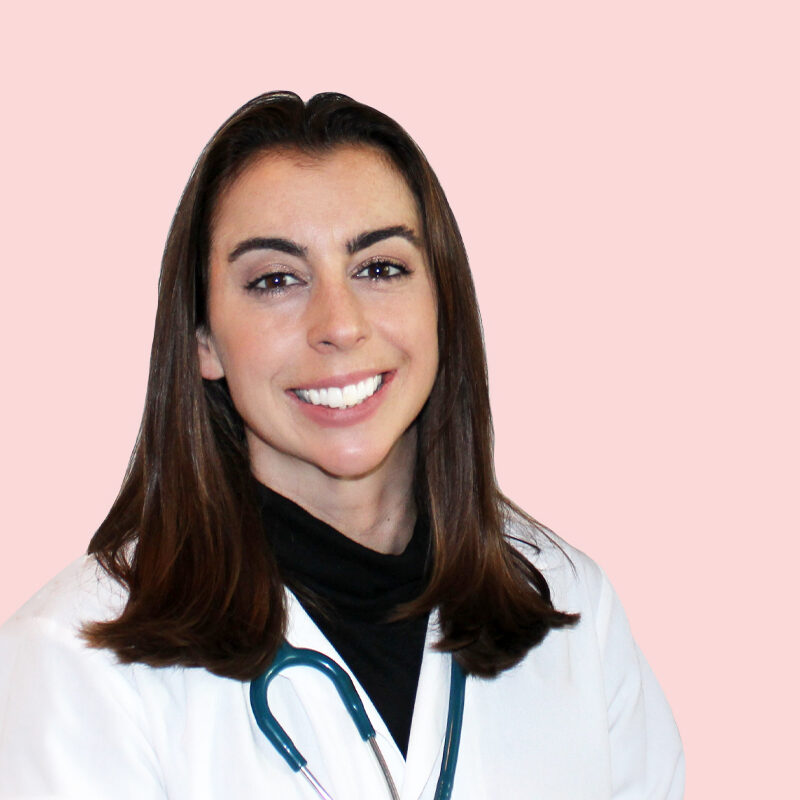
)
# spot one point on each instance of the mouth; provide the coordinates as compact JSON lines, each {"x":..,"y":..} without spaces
{"x":354,"y":394}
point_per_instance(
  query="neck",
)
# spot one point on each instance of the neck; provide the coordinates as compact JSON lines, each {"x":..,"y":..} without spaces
{"x":376,"y":510}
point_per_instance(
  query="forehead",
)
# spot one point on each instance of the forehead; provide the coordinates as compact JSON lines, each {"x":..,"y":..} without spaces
{"x":336,"y":194}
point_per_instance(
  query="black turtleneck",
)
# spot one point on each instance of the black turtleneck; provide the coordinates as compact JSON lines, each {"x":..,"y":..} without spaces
{"x":349,"y":591}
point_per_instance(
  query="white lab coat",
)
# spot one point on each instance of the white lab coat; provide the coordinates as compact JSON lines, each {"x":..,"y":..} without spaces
{"x":581,"y":718}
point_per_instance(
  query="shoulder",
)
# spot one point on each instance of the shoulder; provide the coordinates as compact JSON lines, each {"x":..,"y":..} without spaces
{"x":82,"y":592}
{"x":52,"y":682}
{"x":600,"y":653}
{"x":43,"y":640}
{"x":579,"y":585}
{"x":573,"y":577}
{"x":45,"y":634}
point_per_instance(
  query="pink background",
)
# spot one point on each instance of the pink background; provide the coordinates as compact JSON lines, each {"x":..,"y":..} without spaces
{"x":626,"y":177}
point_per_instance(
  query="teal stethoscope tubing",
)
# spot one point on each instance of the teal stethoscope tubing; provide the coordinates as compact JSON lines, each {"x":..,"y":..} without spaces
{"x":289,"y":656}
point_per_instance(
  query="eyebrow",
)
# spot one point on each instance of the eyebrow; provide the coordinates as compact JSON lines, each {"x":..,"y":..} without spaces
{"x":368,"y":238}
{"x":263,"y":243}
{"x":360,"y":242}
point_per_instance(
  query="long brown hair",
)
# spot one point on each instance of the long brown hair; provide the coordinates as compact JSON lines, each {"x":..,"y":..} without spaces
{"x":185,"y":536}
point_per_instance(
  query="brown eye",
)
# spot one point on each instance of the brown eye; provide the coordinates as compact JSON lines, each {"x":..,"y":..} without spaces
{"x":273,"y":282}
{"x":381,"y":270}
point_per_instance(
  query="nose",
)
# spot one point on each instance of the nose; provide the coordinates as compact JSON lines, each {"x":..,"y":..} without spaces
{"x":336,"y":317}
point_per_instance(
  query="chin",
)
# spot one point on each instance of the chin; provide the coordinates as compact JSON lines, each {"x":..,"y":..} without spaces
{"x":351,"y":466}
{"x":368,"y":457}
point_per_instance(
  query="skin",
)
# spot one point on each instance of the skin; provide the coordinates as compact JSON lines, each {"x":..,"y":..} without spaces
{"x":280,"y":321}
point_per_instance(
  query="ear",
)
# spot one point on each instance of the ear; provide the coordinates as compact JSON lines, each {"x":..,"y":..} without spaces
{"x":210,"y":366}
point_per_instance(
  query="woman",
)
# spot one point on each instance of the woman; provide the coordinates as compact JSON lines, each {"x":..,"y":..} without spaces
{"x":315,"y":466}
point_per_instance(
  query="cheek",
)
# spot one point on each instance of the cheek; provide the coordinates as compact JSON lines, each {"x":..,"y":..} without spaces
{"x":409,"y":327}
{"x":427,"y":328}
{"x":247,"y":354}
{"x":421,"y":334}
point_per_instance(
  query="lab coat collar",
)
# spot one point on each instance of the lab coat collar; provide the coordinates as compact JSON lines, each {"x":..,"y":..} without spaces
{"x":429,"y":723}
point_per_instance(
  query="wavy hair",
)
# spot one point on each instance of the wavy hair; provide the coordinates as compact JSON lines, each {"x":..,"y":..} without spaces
{"x":185,"y":536}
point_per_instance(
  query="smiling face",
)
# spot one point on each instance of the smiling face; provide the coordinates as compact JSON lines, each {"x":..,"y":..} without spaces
{"x":322,"y":314}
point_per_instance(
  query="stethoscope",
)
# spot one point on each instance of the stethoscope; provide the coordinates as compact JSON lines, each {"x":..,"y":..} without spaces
{"x":289,"y":656}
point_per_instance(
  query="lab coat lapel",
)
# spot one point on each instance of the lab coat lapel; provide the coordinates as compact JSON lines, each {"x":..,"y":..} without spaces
{"x":350,"y":767}
{"x":429,"y":721}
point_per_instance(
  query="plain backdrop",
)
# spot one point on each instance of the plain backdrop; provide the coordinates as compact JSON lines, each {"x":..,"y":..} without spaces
{"x":626,"y":176}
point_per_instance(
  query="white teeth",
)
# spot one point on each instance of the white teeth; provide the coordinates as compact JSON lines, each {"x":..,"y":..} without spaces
{"x":335,"y":397}
{"x":344,"y":397}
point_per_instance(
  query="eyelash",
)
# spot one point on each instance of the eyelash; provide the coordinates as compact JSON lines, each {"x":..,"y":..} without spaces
{"x":400,"y":272}
{"x":274,"y":289}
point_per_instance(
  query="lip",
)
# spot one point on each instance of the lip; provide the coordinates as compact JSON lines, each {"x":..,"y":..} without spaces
{"x":341,"y":381}
{"x":342,"y":417}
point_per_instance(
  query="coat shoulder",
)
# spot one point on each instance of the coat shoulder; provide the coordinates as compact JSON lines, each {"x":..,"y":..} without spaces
{"x":567,"y":570}
{"x":82,"y":592}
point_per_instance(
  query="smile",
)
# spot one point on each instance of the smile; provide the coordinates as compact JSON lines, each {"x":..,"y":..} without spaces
{"x":341,"y":397}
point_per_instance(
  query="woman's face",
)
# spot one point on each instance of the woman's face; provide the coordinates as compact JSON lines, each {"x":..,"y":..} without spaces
{"x":322,"y":313}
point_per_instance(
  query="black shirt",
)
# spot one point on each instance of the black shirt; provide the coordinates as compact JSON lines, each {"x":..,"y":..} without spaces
{"x":349,"y":591}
